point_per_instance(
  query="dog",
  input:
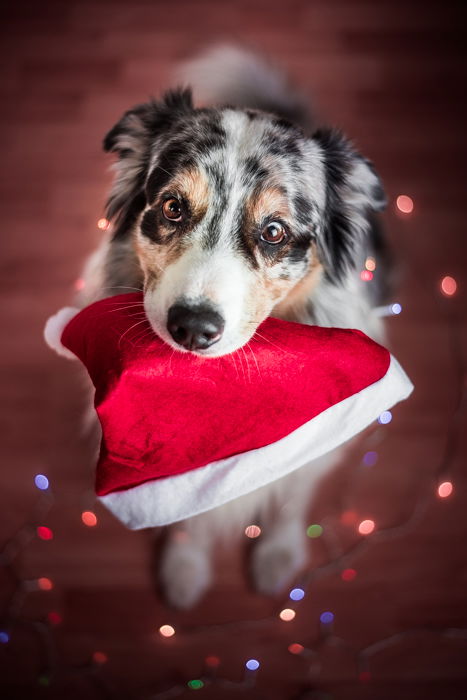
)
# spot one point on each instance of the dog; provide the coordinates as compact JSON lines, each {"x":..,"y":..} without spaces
{"x":224,"y":214}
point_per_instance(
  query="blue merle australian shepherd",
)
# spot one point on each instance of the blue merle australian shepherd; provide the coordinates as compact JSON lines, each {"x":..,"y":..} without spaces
{"x":224,"y":214}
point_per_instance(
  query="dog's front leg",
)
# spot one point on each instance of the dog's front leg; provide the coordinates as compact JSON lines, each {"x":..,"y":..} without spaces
{"x":282,"y":550}
{"x":186,"y":570}
{"x":280,"y":554}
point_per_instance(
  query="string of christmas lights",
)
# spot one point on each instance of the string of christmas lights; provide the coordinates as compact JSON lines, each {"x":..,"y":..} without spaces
{"x":369,"y":536}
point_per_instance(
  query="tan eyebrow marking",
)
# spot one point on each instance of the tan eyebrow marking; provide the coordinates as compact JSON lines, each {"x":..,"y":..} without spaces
{"x":269,"y":201}
{"x":193,"y":185}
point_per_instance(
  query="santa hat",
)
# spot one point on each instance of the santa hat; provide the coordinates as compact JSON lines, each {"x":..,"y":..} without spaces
{"x":182,"y":434}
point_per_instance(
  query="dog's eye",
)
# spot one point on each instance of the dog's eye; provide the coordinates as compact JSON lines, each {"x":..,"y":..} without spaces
{"x":172,"y":209}
{"x":274,"y":233}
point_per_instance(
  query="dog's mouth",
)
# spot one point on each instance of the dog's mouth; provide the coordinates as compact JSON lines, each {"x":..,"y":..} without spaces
{"x":209,"y":342}
{"x":219,"y":347}
{"x":199,"y":325}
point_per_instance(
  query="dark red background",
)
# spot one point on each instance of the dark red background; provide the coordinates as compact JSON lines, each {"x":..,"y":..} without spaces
{"x":392,"y":75}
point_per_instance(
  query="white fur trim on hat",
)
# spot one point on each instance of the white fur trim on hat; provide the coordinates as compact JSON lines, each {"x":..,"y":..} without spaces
{"x":170,"y":499}
{"x":54,"y":328}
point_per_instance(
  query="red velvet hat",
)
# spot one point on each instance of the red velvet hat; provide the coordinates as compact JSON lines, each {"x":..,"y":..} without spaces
{"x":182,"y":434}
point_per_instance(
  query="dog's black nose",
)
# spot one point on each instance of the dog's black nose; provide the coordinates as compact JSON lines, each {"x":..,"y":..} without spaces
{"x":194,"y":327}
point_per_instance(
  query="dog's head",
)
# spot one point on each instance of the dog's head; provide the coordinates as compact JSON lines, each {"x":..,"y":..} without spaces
{"x":234,"y":213}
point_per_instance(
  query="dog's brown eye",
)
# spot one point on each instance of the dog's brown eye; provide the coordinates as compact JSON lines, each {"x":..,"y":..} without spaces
{"x":273,"y":233}
{"x":172,"y":209}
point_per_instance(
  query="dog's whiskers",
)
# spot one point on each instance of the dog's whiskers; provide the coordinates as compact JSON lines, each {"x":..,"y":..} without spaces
{"x":128,"y":330}
{"x":146,"y":333}
{"x":263,"y":337}
{"x":124,"y":286}
{"x":126,"y":303}
{"x":254,"y":357}
{"x":159,"y":167}
{"x":241,"y":363}
{"x":247,"y":363}
{"x":124,"y":308}
{"x":140,"y":314}
{"x":170,"y":359}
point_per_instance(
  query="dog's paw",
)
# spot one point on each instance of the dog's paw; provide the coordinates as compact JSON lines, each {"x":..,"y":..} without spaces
{"x":185,"y":574}
{"x":275,"y":562}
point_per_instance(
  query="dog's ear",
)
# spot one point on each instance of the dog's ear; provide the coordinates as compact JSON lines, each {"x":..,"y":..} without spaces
{"x":132,"y":139}
{"x":353,"y":190}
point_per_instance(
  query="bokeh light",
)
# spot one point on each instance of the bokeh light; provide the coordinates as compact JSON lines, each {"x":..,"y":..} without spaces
{"x":287,"y":614}
{"x":348,"y":574}
{"x":212,"y":661}
{"x":448,"y":286}
{"x":252,"y":664}
{"x":404,"y":204}
{"x":370,"y":264}
{"x":396,"y":309}
{"x":45,"y":533}
{"x":195,"y":684}
{"x":326,"y":617}
{"x":103,"y":224}
{"x":89,"y":518}
{"x":385,"y":418}
{"x":364,"y":676}
{"x":180,"y":536}
{"x":54,"y":618}
{"x":366,"y":527}
{"x":370,"y":458}
{"x":166,"y":631}
{"x":295,"y":648}
{"x":44,"y":584}
{"x":297,"y":594}
{"x":445,"y":489}
{"x":253,"y":531}
{"x":99,"y":657}
{"x":314,"y":531}
{"x":4,"y":637}
{"x":366,"y":275}
{"x":41,"y":482}
{"x":348,"y":517}
{"x":79,"y":284}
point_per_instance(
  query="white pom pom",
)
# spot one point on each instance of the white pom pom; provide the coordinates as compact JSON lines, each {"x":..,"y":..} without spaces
{"x":54,"y":328}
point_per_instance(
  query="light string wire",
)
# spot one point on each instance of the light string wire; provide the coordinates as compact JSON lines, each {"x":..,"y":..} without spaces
{"x":24,"y":536}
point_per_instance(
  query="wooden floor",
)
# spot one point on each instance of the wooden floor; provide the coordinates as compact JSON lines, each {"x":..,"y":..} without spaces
{"x":392,"y":75}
